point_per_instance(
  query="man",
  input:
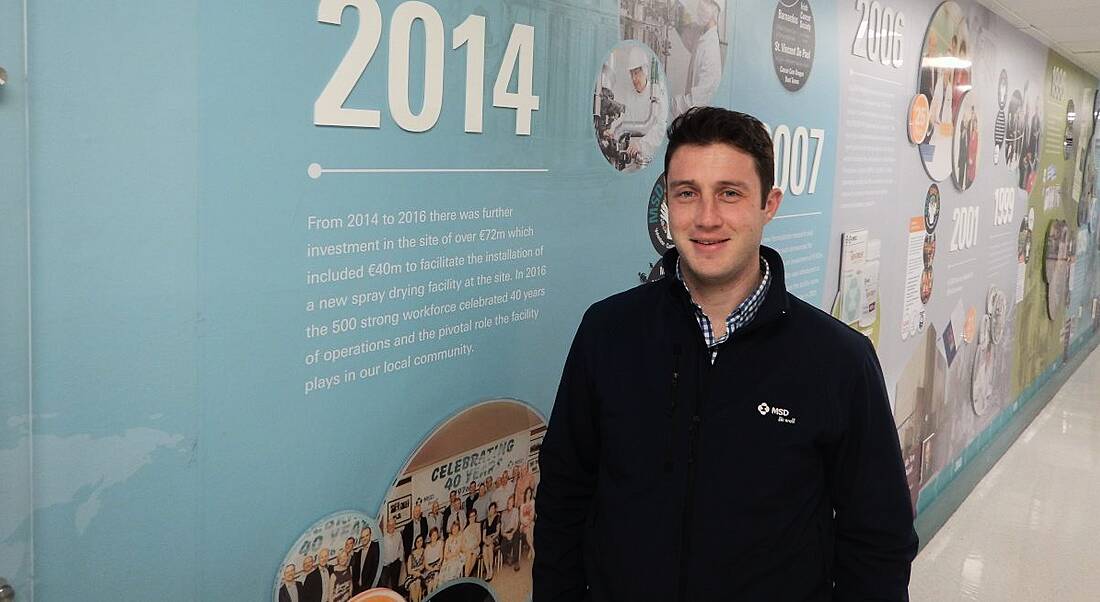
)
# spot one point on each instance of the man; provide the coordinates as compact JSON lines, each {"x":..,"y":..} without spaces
{"x":392,"y":550}
{"x":290,"y":590}
{"x":481,"y":504}
{"x":705,"y":67}
{"x":645,"y":103}
{"x":756,"y":426}
{"x":434,"y":518}
{"x":471,"y":497}
{"x":509,"y":526}
{"x":456,"y":512}
{"x":417,"y":527}
{"x":502,"y":491}
{"x":314,"y":583}
{"x":364,"y":562}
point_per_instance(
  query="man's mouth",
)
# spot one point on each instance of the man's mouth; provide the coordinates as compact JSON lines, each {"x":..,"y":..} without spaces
{"x":708,"y":243}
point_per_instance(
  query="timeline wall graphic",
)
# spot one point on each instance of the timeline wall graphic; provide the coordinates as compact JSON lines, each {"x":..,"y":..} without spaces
{"x":318,"y":282}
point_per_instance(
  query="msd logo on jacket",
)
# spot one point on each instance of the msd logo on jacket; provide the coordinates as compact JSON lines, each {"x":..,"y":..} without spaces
{"x":781,"y":414}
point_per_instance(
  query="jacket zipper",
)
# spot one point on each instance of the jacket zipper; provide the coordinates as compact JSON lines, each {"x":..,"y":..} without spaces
{"x":671,"y":413}
{"x":689,"y":498}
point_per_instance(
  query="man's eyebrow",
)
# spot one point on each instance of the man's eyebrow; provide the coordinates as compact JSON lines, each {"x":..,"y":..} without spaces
{"x":731,"y":183}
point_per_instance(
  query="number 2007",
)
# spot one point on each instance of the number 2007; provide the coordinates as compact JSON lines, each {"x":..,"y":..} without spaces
{"x":519,"y":55}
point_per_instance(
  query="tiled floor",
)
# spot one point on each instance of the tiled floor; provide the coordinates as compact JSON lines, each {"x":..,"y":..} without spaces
{"x":1030,"y":530}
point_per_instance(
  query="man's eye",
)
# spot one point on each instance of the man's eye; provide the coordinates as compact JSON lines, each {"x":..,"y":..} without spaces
{"x":684,"y":194}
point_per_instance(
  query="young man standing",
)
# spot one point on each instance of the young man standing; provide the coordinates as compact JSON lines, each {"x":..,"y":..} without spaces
{"x":755,"y":428}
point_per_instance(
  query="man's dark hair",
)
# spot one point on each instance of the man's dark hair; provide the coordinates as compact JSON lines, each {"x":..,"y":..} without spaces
{"x":712,"y":125}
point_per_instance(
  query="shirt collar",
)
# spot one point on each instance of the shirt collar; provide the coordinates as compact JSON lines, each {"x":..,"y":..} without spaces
{"x":741,"y":315}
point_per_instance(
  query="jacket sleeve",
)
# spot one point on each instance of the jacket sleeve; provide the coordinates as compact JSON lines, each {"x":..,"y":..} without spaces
{"x":875,"y":542}
{"x":568,"y":469}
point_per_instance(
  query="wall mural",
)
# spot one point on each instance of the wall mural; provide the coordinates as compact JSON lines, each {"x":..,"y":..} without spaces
{"x":379,"y":222}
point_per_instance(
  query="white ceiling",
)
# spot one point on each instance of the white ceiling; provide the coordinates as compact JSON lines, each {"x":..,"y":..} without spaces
{"x":1072,"y":27}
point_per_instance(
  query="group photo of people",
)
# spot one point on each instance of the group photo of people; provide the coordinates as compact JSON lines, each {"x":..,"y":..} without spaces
{"x":485,"y":531}
{"x":462,"y":510}
{"x":332,"y":562}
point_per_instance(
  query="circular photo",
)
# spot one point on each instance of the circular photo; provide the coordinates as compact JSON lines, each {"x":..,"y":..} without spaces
{"x":932,"y":208}
{"x":919,"y":119}
{"x":463,"y":507}
{"x":793,"y":42}
{"x":690,"y":38}
{"x":630,"y":107}
{"x":998,"y":315}
{"x":929,"y":249}
{"x":1056,"y":266}
{"x":944,"y":78}
{"x":657,"y":218}
{"x":338,"y":556}
{"x":964,"y":167}
{"x":926,"y":284}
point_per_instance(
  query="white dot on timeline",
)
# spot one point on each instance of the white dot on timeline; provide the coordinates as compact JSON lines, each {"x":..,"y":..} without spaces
{"x":314,"y":170}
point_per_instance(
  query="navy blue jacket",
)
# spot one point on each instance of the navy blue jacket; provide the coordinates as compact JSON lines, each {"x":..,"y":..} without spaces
{"x":774,"y":474}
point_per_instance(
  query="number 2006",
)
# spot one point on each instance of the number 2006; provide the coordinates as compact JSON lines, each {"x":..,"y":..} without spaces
{"x":519,"y":55}
{"x":879,"y":35}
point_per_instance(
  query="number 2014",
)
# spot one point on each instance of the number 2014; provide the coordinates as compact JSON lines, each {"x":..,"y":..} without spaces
{"x":878,"y":37}
{"x":519,"y":55}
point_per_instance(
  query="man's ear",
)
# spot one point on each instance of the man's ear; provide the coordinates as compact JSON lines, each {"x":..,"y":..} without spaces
{"x":772,"y":202}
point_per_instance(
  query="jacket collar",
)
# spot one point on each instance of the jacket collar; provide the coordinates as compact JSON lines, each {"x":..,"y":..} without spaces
{"x":775,"y":303}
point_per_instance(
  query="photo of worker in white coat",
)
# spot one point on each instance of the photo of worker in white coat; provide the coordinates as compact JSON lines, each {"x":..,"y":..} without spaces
{"x":689,"y":38}
{"x":630,"y":107}
{"x":705,"y":67}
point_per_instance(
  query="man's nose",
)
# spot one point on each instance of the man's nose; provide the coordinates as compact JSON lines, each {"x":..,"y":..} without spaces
{"x":707,"y":216}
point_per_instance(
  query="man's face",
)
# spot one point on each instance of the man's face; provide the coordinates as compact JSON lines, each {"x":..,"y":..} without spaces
{"x":365,"y":536}
{"x":322,"y":556}
{"x":637,"y":76}
{"x":714,"y":213}
{"x":417,"y":512}
{"x":349,"y":544}
{"x":288,"y":573}
{"x":307,"y":564}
